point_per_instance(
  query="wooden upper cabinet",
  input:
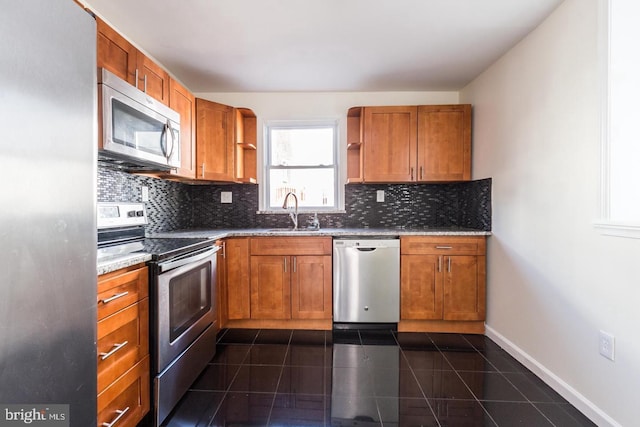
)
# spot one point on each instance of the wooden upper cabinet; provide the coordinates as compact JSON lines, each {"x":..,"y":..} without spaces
{"x":355,"y":154}
{"x":116,"y":54}
{"x":390,"y":144}
{"x":444,"y":142}
{"x":246,"y":143}
{"x":214,"y":141}
{"x":183,"y":101}
{"x":427,"y":143}
{"x":153,"y":79}
{"x":120,"y":57}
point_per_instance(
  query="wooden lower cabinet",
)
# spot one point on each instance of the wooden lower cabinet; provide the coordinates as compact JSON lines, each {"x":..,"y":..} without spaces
{"x":442,"y":283}
{"x":238,"y":292}
{"x":128,"y":398}
{"x":123,"y":347}
{"x":291,"y":287}
{"x":279,"y":282}
{"x":270,"y":287}
{"x":311,"y":287}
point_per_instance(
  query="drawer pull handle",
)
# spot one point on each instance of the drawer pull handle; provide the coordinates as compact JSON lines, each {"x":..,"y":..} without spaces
{"x":115,"y":348}
{"x":120,"y":413}
{"x":115,"y":297}
{"x":444,"y":247}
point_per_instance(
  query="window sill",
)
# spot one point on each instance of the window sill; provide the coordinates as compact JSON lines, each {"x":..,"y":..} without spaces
{"x":618,"y":229}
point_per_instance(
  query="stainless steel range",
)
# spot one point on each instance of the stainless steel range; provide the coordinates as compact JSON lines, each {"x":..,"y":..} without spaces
{"x":183,"y":295}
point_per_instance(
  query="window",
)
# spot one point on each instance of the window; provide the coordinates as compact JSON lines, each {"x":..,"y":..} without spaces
{"x":620,"y":205}
{"x":301,"y":158}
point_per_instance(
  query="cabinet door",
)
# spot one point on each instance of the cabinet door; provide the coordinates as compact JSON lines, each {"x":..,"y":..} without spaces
{"x":270,"y":287}
{"x":464,"y":288}
{"x":238,"y":286}
{"x":444,"y":143}
{"x":115,"y":53}
{"x":221,"y":285}
{"x":421,"y":287}
{"x":153,"y":79}
{"x":390,"y":144}
{"x":122,"y":341}
{"x":131,"y":390}
{"x":311,"y":287}
{"x":214,"y":141}
{"x":181,"y":100}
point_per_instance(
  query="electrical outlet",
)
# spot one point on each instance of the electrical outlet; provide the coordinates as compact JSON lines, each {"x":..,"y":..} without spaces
{"x":380,"y":196}
{"x":145,"y":193}
{"x":606,"y":345}
{"x":225,"y":196}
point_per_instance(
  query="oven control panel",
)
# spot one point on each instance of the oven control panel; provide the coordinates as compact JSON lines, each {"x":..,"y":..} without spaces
{"x":118,"y":214}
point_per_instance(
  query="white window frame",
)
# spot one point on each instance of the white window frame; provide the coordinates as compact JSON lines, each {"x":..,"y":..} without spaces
{"x":337,"y":164}
{"x":606,"y":224}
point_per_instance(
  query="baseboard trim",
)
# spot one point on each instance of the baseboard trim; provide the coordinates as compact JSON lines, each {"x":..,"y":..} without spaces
{"x":593,"y":412}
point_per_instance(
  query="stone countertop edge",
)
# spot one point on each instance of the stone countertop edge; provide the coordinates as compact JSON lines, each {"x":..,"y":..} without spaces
{"x":331,"y":232}
{"x":113,"y":265}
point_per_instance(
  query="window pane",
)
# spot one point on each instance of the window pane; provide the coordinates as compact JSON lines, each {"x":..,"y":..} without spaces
{"x":302,"y":147}
{"x":314,"y":187}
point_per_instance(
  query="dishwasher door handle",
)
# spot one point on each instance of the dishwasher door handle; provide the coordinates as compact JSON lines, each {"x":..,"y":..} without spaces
{"x":366,"y":249}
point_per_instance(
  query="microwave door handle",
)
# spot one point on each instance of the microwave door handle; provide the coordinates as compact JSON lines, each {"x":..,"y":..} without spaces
{"x":163,"y":140}
{"x":171,"y":134}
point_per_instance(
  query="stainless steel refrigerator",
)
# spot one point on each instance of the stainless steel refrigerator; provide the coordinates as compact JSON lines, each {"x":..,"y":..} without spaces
{"x":47,"y":207}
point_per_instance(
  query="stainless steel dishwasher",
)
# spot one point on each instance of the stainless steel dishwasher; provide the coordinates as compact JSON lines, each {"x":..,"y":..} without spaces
{"x":366,"y":281}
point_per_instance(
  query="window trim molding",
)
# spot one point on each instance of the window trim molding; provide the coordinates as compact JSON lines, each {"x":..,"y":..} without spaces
{"x":604,"y":224}
{"x":338,"y":158}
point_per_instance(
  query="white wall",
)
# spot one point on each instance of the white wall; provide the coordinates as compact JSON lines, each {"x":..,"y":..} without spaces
{"x":553,"y":281}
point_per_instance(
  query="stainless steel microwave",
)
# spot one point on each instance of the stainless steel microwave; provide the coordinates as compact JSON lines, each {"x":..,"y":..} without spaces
{"x":137,"y":131}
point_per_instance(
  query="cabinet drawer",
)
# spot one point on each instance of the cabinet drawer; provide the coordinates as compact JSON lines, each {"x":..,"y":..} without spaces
{"x":120,"y":289}
{"x":127,"y":398}
{"x":445,"y":245}
{"x":291,"y":246}
{"x":123,"y":340}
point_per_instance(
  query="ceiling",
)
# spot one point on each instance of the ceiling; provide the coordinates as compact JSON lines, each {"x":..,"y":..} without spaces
{"x":324,"y":45}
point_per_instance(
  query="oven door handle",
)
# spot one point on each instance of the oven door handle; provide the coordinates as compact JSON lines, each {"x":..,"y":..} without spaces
{"x":188,"y":259}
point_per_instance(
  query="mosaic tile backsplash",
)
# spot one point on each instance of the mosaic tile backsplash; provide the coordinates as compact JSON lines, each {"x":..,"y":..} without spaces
{"x":175,"y":206}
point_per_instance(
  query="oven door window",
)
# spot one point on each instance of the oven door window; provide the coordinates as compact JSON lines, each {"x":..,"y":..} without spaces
{"x":189,"y":299}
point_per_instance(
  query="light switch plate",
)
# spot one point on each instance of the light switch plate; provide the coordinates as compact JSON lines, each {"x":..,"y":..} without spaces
{"x":144,"y":193}
{"x":225,"y":196}
{"x":380,"y":196}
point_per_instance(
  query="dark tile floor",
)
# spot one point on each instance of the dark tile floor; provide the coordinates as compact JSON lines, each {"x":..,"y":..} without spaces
{"x":367,"y":378}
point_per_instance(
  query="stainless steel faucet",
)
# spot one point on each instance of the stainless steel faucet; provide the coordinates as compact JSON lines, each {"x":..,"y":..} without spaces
{"x":293,"y":215}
